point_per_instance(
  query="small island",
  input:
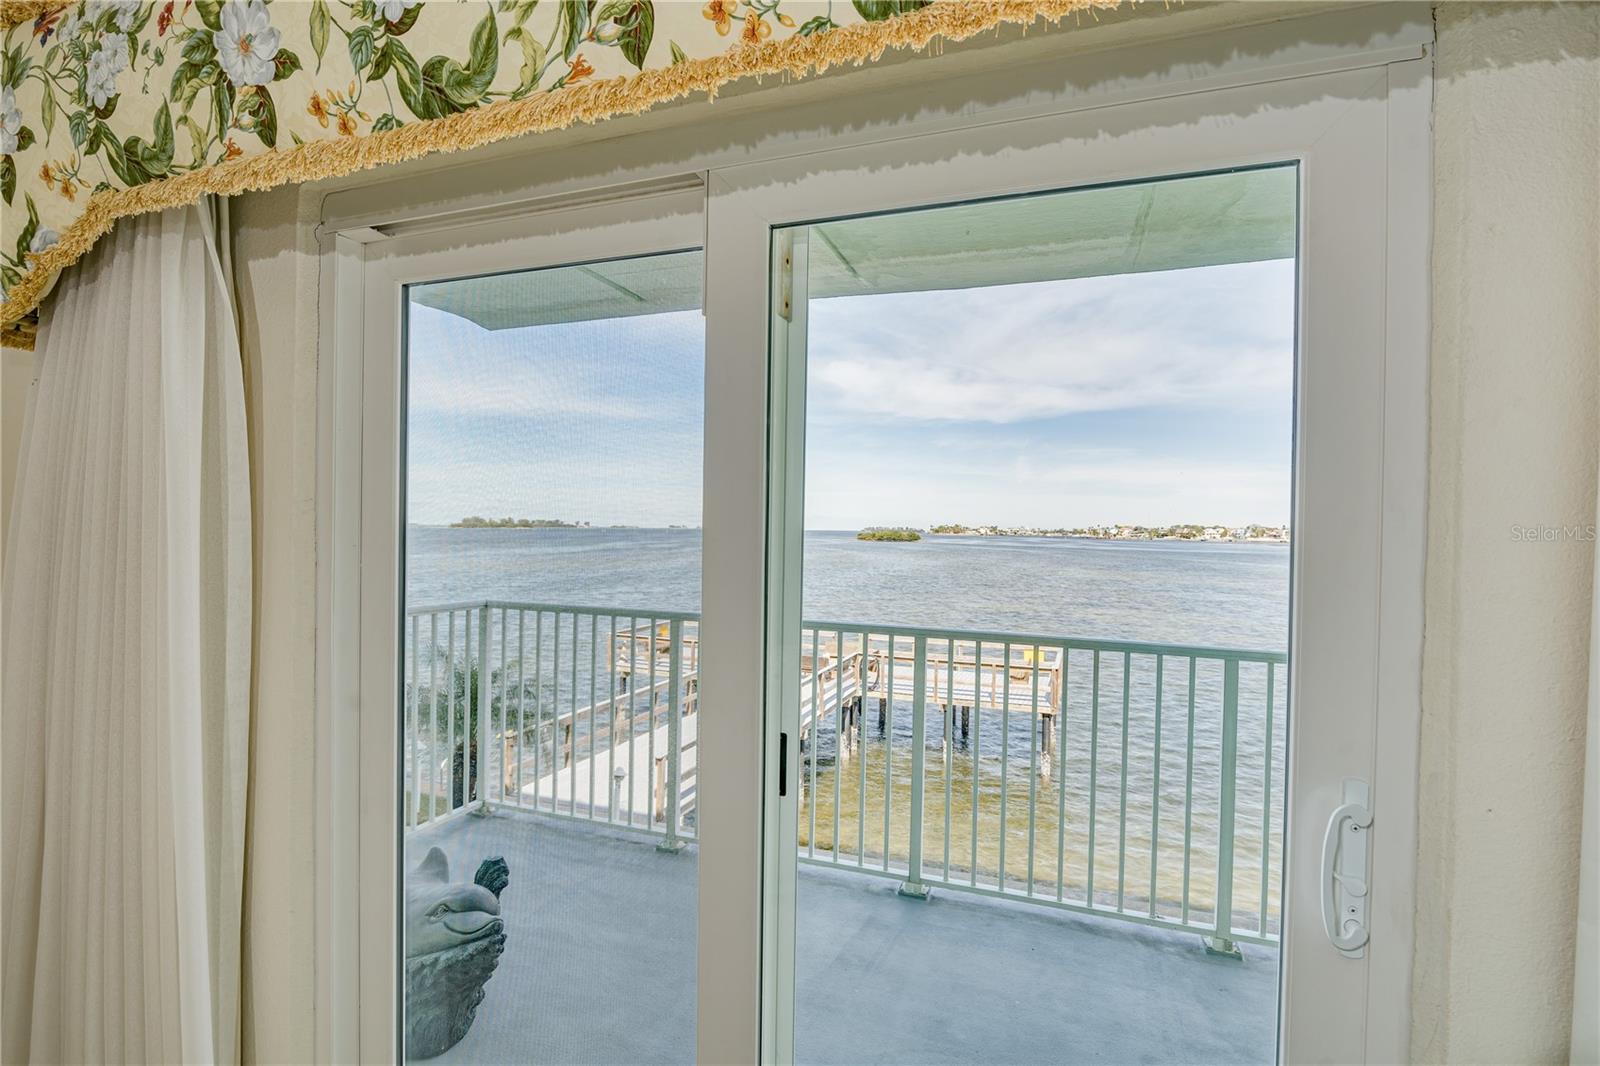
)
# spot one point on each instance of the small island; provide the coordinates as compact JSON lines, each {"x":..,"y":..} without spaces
{"x":478,"y":522}
{"x":889,"y":534}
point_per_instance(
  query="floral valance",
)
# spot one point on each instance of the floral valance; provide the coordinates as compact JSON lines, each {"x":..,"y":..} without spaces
{"x":110,"y":108}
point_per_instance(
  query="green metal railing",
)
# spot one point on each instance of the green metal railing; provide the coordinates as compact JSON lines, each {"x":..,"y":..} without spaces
{"x":576,"y":712}
{"x":982,"y":762}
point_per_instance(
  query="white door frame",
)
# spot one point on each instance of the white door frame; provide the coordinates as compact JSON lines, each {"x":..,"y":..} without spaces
{"x":355,"y":984}
{"x":1360,"y":462}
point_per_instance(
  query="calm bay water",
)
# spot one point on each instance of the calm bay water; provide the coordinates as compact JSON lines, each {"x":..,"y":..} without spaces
{"x":1150,"y":785}
{"x":1170,"y":592}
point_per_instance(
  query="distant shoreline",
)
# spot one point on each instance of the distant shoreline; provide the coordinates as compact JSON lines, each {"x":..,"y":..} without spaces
{"x":1130,"y":537}
{"x":479,"y":522}
{"x":1117,"y":540}
{"x":1188,"y":534}
{"x":474,"y":522}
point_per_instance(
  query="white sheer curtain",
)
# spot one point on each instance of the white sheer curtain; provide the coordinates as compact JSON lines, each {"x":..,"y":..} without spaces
{"x":125,"y":712}
{"x":1586,"y":976}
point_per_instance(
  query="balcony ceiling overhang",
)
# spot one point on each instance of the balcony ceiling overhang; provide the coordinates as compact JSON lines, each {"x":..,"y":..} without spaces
{"x":1236,"y":217}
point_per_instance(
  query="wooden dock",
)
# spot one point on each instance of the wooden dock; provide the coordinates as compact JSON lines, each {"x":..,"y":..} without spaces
{"x":576,"y":760}
{"x":842,"y":671}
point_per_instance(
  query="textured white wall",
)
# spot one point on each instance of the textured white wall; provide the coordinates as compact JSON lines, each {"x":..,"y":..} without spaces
{"x":1516,"y":273}
{"x":276,"y":271}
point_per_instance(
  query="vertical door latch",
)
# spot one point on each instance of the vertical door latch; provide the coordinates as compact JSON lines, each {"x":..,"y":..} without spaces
{"x":786,"y":276}
{"x":1346,"y":855}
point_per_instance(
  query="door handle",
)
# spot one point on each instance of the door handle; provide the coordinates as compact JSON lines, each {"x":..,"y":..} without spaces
{"x":783,"y":764}
{"x":1344,"y":871}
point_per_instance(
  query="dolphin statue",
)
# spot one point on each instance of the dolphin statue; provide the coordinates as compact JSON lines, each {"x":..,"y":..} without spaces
{"x":454,"y":936}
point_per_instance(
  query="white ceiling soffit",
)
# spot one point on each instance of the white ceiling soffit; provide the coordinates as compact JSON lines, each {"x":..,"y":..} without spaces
{"x":1238,"y":217}
{"x":618,"y":288}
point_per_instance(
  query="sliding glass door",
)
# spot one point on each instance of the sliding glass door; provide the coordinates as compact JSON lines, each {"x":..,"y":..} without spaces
{"x":1040,"y":699}
{"x":553,"y":456}
{"x":552,"y":414}
{"x":1075,"y":472}
{"x":933,"y":600}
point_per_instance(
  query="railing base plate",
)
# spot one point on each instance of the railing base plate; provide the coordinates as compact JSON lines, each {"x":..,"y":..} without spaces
{"x":671,"y":847}
{"x":913,"y":891}
{"x":1221,"y":946}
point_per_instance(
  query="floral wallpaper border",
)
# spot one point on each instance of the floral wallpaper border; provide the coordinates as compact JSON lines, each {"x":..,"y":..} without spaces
{"x":111,"y":108}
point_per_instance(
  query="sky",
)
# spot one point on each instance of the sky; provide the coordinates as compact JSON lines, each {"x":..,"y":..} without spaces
{"x":1150,"y":399}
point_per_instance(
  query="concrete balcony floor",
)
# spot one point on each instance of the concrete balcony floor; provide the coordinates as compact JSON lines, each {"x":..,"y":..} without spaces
{"x":599,"y":967}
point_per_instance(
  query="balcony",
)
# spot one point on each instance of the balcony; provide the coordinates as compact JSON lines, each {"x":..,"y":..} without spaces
{"x":1098,"y":825}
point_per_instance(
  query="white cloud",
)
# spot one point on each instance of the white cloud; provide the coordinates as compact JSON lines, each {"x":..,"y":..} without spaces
{"x":1214,"y":335}
{"x":1056,"y":488}
{"x":586,"y":370}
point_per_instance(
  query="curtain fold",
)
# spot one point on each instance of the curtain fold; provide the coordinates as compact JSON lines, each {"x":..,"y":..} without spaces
{"x":1585,"y":1049}
{"x":127,"y":613}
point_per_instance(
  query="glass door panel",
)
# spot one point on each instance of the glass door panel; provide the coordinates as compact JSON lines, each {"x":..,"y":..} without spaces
{"x":1039,"y":700}
{"x":553,"y":453}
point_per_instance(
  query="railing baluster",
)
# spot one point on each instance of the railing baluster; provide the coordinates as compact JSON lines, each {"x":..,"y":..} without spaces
{"x":450,"y":716}
{"x":1222,"y":940}
{"x":631,"y":711}
{"x":572,"y":727}
{"x":483,"y":721}
{"x":413,"y":697}
{"x":1094,"y":773}
{"x":1266,"y":806}
{"x":500,"y":714}
{"x":475,"y":762}
{"x":538,"y":706}
{"x":1061,"y":778}
{"x":468,"y":701}
{"x":1005,"y":759}
{"x":1155,"y":791}
{"x":571,"y":717}
{"x":973,"y":749}
{"x":1188,"y":794}
{"x":838,"y":730}
{"x":888,"y":753}
{"x":555,"y":709}
{"x":433,"y":717}
{"x":611,"y":725}
{"x":522,"y":693}
{"x":861,"y":758}
{"x":594,"y":673}
{"x":1122,"y":783}
{"x":1034,"y":724}
{"x":811,"y":760}
{"x":674,"y":733}
{"x":633,"y":688}
{"x":650,"y":732}
{"x":949,"y":746}
{"x":919,"y":752}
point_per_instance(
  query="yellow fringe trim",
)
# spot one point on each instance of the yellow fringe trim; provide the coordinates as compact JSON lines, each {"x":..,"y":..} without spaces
{"x":954,"y":20}
{"x":19,"y":335}
{"x":16,"y":12}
